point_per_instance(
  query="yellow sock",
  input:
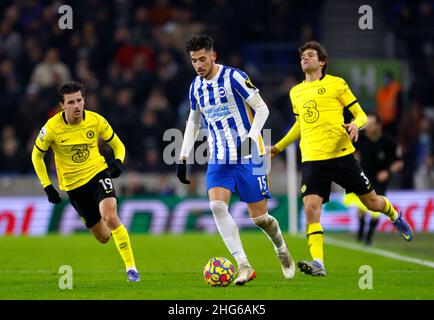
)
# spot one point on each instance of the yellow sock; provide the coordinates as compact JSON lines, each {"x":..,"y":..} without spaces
{"x":122,"y":240}
{"x":315,"y":239}
{"x":389,"y":210}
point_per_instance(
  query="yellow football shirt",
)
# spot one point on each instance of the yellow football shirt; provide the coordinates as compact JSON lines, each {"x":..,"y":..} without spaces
{"x":319,"y":107}
{"x":75,"y":148}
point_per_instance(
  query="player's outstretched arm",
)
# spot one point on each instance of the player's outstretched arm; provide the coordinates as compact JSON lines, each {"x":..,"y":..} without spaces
{"x":190,"y":136}
{"x":292,"y":135}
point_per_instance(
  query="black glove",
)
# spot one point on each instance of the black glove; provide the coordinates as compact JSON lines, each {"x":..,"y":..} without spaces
{"x":115,"y":169}
{"x":181,"y":172}
{"x":52,"y":194}
{"x":245,"y":148}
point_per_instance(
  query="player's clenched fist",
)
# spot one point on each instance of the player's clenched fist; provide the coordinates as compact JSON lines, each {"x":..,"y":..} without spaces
{"x":115,"y":168}
{"x":52,"y":194}
{"x":181,"y":172}
{"x":245,"y":148}
{"x":272,"y":150}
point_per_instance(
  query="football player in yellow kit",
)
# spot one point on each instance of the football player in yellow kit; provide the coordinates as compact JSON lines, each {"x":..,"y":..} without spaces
{"x":82,"y":171}
{"x":327,"y":150}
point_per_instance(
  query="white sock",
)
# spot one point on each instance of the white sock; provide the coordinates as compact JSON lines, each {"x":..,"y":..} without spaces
{"x":228,"y":231}
{"x":270,"y":226}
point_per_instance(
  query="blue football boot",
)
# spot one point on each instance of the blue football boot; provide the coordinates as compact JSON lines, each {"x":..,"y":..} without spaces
{"x":403,"y":227}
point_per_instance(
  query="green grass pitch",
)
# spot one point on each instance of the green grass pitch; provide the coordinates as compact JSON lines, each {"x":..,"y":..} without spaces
{"x":171,"y":269}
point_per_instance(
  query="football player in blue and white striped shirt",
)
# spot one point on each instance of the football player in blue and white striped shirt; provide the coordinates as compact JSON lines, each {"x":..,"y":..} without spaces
{"x":234,"y":114}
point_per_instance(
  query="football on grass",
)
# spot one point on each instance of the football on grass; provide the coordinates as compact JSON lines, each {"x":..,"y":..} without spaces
{"x":219,"y":272}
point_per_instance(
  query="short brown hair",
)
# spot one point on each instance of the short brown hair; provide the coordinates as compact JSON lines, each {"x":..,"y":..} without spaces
{"x":70,"y":87}
{"x":321,"y":51}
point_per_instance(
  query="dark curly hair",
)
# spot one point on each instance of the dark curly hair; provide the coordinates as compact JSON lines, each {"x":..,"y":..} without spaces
{"x":321,"y":51}
{"x":200,"y":41}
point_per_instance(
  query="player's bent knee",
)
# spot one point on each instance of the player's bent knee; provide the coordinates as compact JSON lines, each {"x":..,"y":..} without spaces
{"x":219,"y":208}
{"x":312,"y":210}
{"x":370,"y":206}
{"x":111,"y":220}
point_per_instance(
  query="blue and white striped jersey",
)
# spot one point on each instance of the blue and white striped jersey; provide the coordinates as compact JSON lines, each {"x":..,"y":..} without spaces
{"x":228,"y":117}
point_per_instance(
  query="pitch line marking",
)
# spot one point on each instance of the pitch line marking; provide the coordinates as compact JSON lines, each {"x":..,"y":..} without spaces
{"x":380,"y":252}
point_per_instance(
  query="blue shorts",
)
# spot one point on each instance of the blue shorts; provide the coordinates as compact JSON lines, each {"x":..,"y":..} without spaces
{"x":248,"y":179}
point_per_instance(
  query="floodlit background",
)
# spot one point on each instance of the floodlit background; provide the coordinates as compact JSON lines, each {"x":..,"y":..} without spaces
{"x":131,"y":57}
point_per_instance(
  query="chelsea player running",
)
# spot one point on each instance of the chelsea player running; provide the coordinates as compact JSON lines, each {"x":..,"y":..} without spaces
{"x":327,"y":151}
{"x":82,"y":171}
{"x":234,"y":114}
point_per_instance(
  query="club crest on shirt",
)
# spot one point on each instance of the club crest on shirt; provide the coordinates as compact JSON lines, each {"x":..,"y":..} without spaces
{"x":222,"y":92}
{"x":249,"y":84}
{"x":42,"y":134}
{"x":90,"y":134}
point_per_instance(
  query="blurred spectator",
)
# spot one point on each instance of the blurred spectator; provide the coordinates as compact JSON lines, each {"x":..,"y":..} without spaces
{"x":140,"y":31}
{"x":32,"y":112}
{"x":172,"y":78}
{"x":281,"y":116}
{"x":10,"y":40}
{"x":93,"y":104}
{"x":30,"y":15}
{"x":32,"y":56}
{"x":128,"y":51}
{"x":166,"y":187}
{"x":408,"y":140}
{"x":425,"y":21}
{"x":389,"y":103}
{"x":9,"y":91}
{"x":152,"y":158}
{"x":405,"y":18}
{"x":160,"y":12}
{"x":425,"y":29}
{"x":158,"y":102}
{"x":50,"y":72}
{"x":133,"y":185}
{"x":147,"y":133}
{"x":424,"y":160}
{"x":123,"y":115}
{"x":307,"y":33}
{"x":143,"y":79}
{"x":86,"y":76}
{"x":12,"y":159}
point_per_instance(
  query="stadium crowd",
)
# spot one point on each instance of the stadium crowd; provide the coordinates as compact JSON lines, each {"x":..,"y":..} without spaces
{"x":130,"y":55}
